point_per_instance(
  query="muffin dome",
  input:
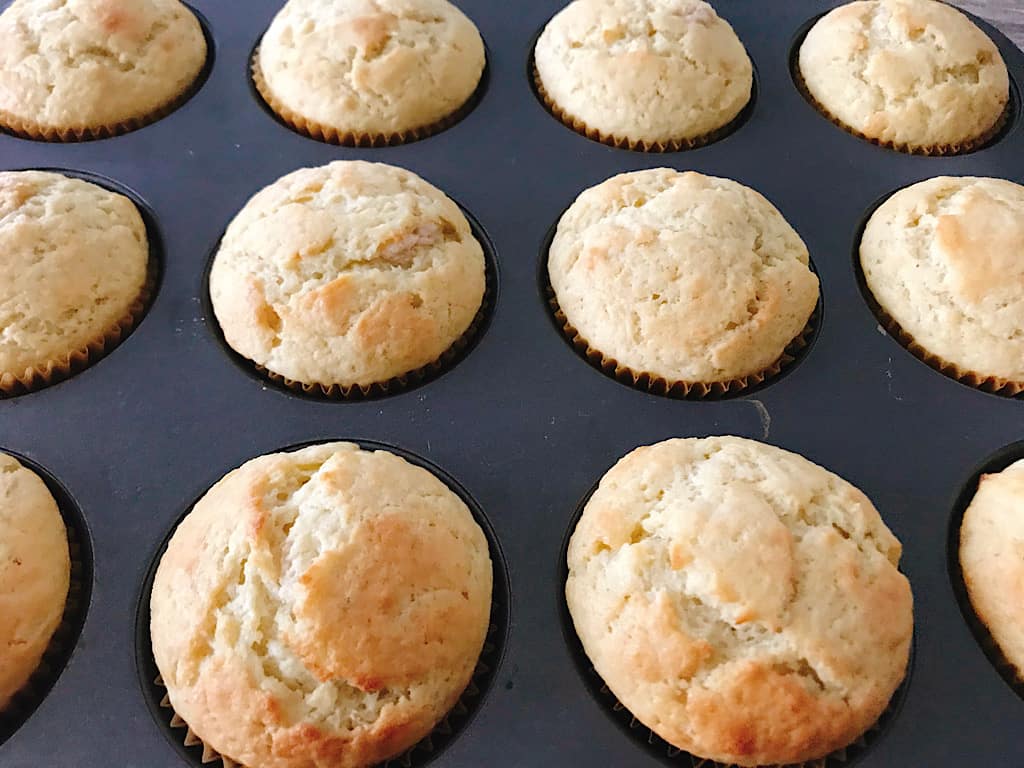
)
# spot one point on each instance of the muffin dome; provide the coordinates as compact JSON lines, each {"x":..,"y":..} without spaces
{"x":648,"y":73}
{"x":72,"y":278}
{"x":682,"y":276}
{"x":354,"y":70}
{"x":321,"y":607}
{"x":740,"y":601}
{"x":35,"y":573}
{"x":92,"y":68}
{"x":916,"y":74}
{"x":346,"y":275}
{"x":944,"y":258}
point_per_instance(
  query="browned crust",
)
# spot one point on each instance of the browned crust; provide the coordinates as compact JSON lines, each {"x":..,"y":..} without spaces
{"x":331,"y":135}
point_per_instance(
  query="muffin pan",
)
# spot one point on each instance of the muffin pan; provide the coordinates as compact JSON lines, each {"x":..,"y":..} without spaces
{"x":522,"y":422}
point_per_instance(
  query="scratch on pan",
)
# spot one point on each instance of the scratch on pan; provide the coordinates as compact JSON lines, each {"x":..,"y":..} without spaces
{"x":766,"y":418}
{"x":888,"y":382}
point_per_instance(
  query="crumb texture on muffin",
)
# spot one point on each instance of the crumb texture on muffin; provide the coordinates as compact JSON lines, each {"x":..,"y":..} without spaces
{"x":992,"y":559}
{"x":371,"y":67}
{"x":742,"y":602}
{"x":684,"y":276}
{"x":350,"y":274}
{"x":323,"y":608}
{"x":86,"y":64}
{"x":945,"y":259}
{"x":35,"y":572}
{"x":648,"y":70}
{"x":75,"y":260}
{"x":914,"y":73}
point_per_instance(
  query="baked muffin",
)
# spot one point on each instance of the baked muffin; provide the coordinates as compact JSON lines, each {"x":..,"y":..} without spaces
{"x":681,"y":277}
{"x":648,"y":74}
{"x":35,"y":573}
{"x":369,"y":72}
{"x":87,"y":69}
{"x":944,"y":260}
{"x":73,"y":279}
{"x":913,"y":74}
{"x":321,"y":607}
{"x":348,"y":275}
{"x":992,"y":559}
{"x":740,"y":601}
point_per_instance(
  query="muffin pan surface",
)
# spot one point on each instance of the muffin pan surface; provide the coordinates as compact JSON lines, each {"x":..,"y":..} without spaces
{"x":522,"y":422}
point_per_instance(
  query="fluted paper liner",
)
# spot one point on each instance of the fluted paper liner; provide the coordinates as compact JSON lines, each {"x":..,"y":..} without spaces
{"x":624,"y":142}
{"x":332,"y":135}
{"x":687,"y":390}
{"x":832,"y":760}
{"x":993,"y":384}
{"x":939,"y":150}
{"x":77,"y":360}
{"x":31,"y":695}
{"x":424,"y":749}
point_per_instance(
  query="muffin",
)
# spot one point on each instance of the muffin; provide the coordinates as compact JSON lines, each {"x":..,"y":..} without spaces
{"x":88,"y":69}
{"x":915,"y":75}
{"x":688,"y":280}
{"x":73,"y":280}
{"x":743,"y":603}
{"x":944,"y":260}
{"x":368,"y":72}
{"x":35,"y":574}
{"x":992,"y":559}
{"x":349,"y":276}
{"x":646,"y":74}
{"x":321,"y":607}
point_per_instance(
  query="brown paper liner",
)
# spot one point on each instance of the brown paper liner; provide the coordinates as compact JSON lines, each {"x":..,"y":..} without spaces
{"x":993,"y":384}
{"x":832,"y":760}
{"x":395,"y":384}
{"x":624,"y":142}
{"x":940,"y":150}
{"x":332,"y":135}
{"x":77,"y":360}
{"x":422,"y":750}
{"x":54,"y":658}
{"x":685,"y":390}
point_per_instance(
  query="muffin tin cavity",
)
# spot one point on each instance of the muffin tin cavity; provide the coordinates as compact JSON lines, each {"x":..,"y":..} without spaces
{"x":412,"y":380}
{"x":1008,"y":123}
{"x":997,"y":462}
{"x":794,"y":354}
{"x":649,"y":742}
{"x":79,"y":596}
{"x":458,"y":719}
{"x":147,"y":297}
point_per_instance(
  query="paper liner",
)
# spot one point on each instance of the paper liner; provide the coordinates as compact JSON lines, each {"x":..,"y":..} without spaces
{"x":56,"y":655}
{"x":415,"y":755}
{"x":331,"y":135}
{"x":688,"y":390}
{"x":395,"y":384}
{"x":992,"y":384}
{"x":27,"y":129}
{"x":624,"y":142}
{"x":832,"y":760}
{"x":77,"y":360}
{"x":940,"y":150}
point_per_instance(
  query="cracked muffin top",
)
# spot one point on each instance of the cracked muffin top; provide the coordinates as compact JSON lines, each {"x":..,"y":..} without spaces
{"x":74,"y":266}
{"x":370,"y":67}
{"x":743,"y":603}
{"x":649,"y":71}
{"x":324,"y":607}
{"x":35,"y":572}
{"x":348,"y":274}
{"x":688,"y":277}
{"x":944,"y":258}
{"x":914,"y":73}
{"x":71,"y":66}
